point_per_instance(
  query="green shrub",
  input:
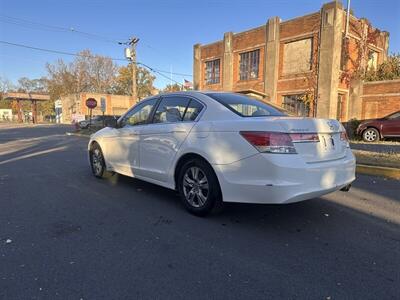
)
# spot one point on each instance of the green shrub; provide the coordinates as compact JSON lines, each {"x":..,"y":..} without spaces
{"x":351,"y":128}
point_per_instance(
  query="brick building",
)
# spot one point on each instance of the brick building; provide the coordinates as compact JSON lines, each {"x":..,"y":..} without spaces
{"x":75,"y":104}
{"x":306,"y":64}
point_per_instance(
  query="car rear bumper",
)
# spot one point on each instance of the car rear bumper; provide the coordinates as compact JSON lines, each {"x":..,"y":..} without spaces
{"x":282,"y":178}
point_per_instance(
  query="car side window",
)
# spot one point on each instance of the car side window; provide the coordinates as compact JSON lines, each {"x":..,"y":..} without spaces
{"x":193,"y":110}
{"x":171,"y":110}
{"x":139,"y":114}
{"x":394,"y":116}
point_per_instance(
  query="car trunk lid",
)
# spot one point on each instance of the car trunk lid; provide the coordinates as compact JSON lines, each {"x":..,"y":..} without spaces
{"x":328,"y":146}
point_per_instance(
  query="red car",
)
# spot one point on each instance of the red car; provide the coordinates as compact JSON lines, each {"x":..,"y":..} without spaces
{"x":376,"y":129}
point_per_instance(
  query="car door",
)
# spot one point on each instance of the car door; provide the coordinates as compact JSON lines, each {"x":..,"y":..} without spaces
{"x":123,"y":151}
{"x":391,"y":125}
{"x":159,"y":142}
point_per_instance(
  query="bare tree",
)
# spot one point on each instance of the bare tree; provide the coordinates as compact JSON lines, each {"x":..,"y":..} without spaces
{"x":172,"y":88}
{"x":5,"y":86}
{"x":32,"y":85}
{"x":87,"y":73}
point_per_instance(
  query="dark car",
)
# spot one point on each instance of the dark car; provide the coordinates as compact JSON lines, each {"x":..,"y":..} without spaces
{"x":96,"y":121}
{"x":376,"y":129}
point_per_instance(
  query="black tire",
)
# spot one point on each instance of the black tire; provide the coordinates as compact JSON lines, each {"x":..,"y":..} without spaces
{"x":371,"y":135}
{"x":213,"y":199}
{"x":97,"y":163}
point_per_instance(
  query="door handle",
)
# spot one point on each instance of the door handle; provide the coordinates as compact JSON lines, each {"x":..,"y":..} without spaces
{"x":129,"y":133}
{"x":178,"y":131}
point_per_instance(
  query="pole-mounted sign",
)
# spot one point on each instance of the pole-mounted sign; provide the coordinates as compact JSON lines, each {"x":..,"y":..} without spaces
{"x":103,"y":108}
{"x":91,"y":103}
{"x":103,"y":104}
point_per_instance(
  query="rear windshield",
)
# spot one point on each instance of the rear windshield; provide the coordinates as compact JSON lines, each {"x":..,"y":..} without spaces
{"x":245,"y":106}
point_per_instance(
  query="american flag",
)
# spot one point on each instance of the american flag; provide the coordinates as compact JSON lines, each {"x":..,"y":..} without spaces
{"x":187,"y":84}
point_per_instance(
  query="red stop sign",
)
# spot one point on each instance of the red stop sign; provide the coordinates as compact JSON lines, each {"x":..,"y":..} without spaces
{"x":91,"y":103}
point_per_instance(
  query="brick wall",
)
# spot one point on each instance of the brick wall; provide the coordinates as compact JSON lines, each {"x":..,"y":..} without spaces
{"x":380,"y":98}
{"x":76,"y":104}
{"x":115,"y":104}
{"x":255,"y":84}
{"x":211,"y":52}
{"x":249,"y":39}
{"x":273,"y":83}
{"x":243,"y":42}
{"x":299,"y":26}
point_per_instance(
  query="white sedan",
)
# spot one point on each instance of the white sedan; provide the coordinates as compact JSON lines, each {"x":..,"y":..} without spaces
{"x":215,"y":147}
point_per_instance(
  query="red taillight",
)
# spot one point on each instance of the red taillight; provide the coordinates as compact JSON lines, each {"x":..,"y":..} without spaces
{"x":344,"y":138}
{"x":274,"y":142}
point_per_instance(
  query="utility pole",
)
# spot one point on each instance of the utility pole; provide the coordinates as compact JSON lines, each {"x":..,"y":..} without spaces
{"x":132,"y":42}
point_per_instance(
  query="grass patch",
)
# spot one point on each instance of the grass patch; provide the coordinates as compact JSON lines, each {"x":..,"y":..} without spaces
{"x":386,"y":142}
{"x":391,"y":160}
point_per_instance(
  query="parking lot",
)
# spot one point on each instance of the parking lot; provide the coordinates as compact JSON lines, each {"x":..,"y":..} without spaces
{"x":66,"y":235}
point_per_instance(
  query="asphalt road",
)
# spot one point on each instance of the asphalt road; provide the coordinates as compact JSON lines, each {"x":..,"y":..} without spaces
{"x":67,"y":235}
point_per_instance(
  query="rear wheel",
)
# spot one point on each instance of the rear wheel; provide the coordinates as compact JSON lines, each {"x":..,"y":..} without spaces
{"x":97,"y":162}
{"x":198,"y":187}
{"x":371,"y":135}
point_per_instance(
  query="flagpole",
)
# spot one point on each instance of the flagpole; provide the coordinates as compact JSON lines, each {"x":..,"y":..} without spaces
{"x":170,"y":75}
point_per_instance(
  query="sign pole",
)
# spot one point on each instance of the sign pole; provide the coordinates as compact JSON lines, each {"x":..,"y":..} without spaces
{"x":91,"y":103}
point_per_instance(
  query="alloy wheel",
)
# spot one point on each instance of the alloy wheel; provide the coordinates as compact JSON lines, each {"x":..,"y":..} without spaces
{"x":195,"y":187}
{"x":97,"y":162}
{"x":370,"y":135}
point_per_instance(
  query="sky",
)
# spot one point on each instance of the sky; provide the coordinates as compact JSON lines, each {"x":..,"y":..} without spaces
{"x":167,"y":29}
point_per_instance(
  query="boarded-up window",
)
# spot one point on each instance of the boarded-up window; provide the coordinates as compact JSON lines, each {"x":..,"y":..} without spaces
{"x":297,"y":56}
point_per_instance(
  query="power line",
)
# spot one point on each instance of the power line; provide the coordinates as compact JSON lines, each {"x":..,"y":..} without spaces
{"x":54,"y":51}
{"x":54,"y":28}
{"x":42,"y":26}
{"x":158,"y":72}
{"x":173,"y":73}
{"x":81,"y":55}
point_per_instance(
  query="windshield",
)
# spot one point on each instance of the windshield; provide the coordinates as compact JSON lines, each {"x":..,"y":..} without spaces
{"x":245,"y":106}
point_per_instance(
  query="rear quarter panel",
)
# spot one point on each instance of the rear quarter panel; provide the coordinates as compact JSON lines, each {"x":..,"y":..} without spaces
{"x":218,"y":145}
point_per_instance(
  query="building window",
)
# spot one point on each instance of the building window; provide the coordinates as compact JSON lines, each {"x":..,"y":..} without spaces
{"x":295,"y":105}
{"x":340,"y":107}
{"x":372,"y":60}
{"x":213,"y":71}
{"x":249,"y":63}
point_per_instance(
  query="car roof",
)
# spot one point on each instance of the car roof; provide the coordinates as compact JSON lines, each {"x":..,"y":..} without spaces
{"x":208,"y":93}
{"x":195,"y":92}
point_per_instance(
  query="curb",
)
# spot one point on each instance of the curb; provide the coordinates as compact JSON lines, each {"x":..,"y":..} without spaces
{"x":77,"y":134}
{"x":378,"y":171}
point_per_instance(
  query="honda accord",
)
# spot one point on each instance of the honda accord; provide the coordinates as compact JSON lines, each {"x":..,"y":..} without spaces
{"x":215,"y":147}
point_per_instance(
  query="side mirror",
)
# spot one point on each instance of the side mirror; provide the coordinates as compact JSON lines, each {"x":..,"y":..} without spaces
{"x":113,"y":123}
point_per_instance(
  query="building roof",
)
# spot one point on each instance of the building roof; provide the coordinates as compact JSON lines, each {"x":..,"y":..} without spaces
{"x":26,"y":96}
